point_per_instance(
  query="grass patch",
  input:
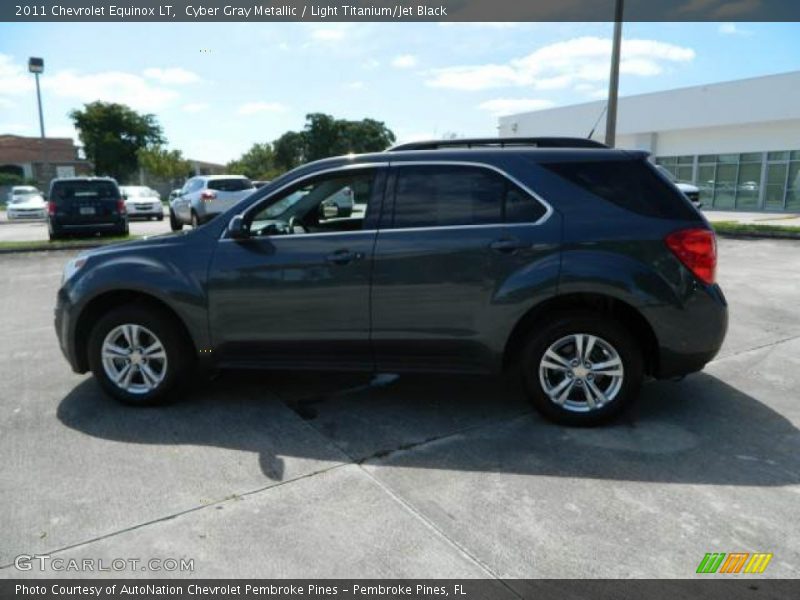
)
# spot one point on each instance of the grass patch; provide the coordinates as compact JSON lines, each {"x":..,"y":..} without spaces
{"x":65,"y":244}
{"x":735,"y":227}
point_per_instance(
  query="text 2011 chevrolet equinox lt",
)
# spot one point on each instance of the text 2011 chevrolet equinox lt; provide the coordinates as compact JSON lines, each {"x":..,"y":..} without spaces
{"x":579,"y":264}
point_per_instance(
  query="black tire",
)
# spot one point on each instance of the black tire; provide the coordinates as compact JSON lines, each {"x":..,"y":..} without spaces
{"x":174,"y":224}
{"x":160,"y":217}
{"x":612,"y":333}
{"x":195,"y":220}
{"x":179,"y":354}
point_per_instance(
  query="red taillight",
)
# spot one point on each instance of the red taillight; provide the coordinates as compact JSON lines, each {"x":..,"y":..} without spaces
{"x":697,"y":250}
{"x":51,"y":208}
{"x":208,"y":196}
{"x":121,"y":206}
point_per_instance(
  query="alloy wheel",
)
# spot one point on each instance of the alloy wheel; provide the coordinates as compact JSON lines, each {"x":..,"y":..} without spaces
{"x":134,"y":359}
{"x":581,"y":372}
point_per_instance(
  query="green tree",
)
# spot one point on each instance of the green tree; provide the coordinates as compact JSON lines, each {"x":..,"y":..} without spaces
{"x":256,"y":163}
{"x":290,"y":150}
{"x":164,"y":164}
{"x":112,"y":136}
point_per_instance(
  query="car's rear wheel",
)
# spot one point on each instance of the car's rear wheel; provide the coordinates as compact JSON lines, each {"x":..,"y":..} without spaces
{"x":139,"y":355}
{"x":582,"y":368}
{"x":174,"y":224}
{"x":195,"y":220}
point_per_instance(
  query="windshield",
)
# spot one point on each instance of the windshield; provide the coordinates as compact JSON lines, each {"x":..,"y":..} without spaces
{"x":29,"y":191}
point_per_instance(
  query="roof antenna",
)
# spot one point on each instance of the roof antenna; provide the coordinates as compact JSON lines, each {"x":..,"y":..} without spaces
{"x":596,"y":123}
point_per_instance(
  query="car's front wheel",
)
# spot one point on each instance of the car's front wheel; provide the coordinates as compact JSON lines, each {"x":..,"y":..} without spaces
{"x":582,"y":368}
{"x":139,"y":355}
{"x":174,"y":224}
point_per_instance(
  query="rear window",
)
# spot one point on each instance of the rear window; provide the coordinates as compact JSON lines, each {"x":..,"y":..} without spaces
{"x":67,"y":191}
{"x":631,"y":184}
{"x":234,"y":184}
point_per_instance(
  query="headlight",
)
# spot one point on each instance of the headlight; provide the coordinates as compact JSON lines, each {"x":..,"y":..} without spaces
{"x":72,"y":267}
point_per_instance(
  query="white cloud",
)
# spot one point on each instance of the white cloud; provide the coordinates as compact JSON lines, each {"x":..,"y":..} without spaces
{"x":371,"y":63}
{"x":563,"y":64}
{"x":109,"y":86}
{"x":195,"y":107}
{"x":355,"y":85}
{"x":329,"y":33}
{"x":14,"y":79}
{"x":171,"y":76}
{"x":507,"y":106}
{"x":404,"y":61}
{"x":479,"y":25}
{"x":733,"y":29}
{"x":251,"y":108}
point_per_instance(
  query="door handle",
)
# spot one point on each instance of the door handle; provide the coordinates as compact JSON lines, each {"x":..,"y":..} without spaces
{"x":343,"y":257}
{"x":507,"y":245}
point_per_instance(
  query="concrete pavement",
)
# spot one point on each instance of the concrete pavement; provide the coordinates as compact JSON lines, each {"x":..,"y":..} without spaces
{"x":275,"y":475}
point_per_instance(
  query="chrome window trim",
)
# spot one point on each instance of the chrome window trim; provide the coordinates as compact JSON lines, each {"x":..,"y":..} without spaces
{"x":342,"y":168}
{"x":416,"y":163}
{"x":464,"y":163}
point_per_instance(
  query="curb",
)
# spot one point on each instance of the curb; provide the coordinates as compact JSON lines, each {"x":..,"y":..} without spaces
{"x":50,"y":248}
{"x":761,"y":235}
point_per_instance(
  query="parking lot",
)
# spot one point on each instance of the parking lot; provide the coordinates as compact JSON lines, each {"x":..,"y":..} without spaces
{"x":278,"y":475}
{"x":36,"y":231}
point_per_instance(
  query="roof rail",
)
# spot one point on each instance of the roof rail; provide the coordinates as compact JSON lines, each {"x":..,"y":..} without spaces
{"x":535,"y":142}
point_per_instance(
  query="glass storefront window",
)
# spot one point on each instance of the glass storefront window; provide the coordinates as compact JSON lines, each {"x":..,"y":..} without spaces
{"x":725,"y":186}
{"x":748,"y":187}
{"x":793,"y":185}
{"x":705,"y":183}
{"x":734,"y":181}
{"x":776,"y":186}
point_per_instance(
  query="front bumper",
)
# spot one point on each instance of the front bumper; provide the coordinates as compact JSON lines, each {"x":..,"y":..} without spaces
{"x":143,"y":210}
{"x":64,"y":330}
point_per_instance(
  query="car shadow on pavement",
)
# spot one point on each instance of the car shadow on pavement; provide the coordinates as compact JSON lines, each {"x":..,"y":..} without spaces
{"x":698,"y":431}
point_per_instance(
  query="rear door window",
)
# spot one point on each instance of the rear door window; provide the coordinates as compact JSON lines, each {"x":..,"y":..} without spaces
{"x":631,"y":184}
{"x":66,"y":192}
{"x":452,"y":195}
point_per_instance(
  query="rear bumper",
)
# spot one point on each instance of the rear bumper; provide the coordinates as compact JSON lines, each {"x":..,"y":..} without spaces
{"x":13,"y":215}
{"x":689,"y":335}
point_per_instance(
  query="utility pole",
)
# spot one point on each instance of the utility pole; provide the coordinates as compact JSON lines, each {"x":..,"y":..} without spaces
{"x":613,"y":82}
{"x":36,"y":66}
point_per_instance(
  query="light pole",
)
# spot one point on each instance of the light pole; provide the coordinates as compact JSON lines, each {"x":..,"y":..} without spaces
{"x":36,"y":66}
{"x":613,"y":82}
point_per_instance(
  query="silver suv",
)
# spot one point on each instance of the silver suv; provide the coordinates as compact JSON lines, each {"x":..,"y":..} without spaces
{"x":206,"y":196}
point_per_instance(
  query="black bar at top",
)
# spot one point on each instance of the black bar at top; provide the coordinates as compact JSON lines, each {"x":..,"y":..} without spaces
{"x":394,"y":10}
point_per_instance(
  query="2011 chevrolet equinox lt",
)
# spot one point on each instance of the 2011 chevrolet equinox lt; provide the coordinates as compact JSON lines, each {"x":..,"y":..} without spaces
{"x":579,"y":264}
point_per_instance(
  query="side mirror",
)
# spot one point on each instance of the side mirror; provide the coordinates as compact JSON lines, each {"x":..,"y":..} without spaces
{"x":124,"y":196}
{"x":329,"y":211}
{"x":237,"y":228}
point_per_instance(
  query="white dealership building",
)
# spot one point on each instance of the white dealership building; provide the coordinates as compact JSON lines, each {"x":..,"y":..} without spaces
{"x":738,"y":141}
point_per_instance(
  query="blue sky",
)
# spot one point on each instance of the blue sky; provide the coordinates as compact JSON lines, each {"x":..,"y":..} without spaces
{"x":217,"y":88}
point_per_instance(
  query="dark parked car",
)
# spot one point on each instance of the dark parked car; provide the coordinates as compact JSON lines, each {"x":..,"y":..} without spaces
{"x":85,"y":205}
{"x":578,"y":264}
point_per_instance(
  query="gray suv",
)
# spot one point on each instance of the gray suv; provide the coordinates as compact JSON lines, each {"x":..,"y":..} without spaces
{"x":206,"y":196}
{"x":577,"y":266}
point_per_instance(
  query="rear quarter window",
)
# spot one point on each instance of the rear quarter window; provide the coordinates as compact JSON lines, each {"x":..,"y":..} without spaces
{"x":631,"y":184}
{"x":234,"y":184}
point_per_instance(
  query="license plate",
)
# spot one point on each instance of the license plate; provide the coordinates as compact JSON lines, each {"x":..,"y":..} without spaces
{"x":87,"y":210}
